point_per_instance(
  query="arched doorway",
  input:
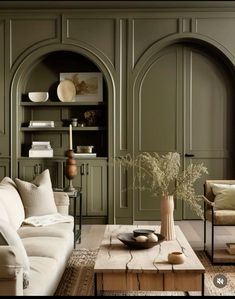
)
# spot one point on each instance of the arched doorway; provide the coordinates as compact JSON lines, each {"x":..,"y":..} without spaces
{"x":185,"y":104}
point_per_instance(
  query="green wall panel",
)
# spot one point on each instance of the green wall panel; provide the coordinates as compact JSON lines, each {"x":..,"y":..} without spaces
{"x":26,"y":32}
{"x":99,"y":33}
{"x":148,"y":31}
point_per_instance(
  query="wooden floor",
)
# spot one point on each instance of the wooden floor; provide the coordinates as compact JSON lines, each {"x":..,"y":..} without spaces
{"x":193,"y":231}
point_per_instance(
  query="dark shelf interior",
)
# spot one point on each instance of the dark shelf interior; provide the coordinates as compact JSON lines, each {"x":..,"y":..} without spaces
{"x":44,"y":76}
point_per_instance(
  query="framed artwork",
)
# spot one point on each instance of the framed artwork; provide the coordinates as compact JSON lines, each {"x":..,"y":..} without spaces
{"x":89,"y":86}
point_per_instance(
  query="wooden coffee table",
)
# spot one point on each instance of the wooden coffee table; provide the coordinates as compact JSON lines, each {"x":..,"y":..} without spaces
{"x":118,"y":268}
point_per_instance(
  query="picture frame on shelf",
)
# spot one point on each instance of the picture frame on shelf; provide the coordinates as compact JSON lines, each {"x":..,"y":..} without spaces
{"x":89,"y":86}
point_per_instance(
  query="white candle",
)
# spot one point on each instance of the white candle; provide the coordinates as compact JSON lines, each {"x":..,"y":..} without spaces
{"x":70,"y":138}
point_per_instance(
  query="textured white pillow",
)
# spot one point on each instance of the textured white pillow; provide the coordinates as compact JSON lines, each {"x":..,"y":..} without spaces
{"x":9,"y":236}
{"x":224,"y":196}
{"x":37,"y":196}
{"x":11,"y":201}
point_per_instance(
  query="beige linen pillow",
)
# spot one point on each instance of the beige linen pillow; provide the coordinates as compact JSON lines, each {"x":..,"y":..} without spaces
{"x":224,"y":196}
{"x":11,"y":202}
{"x":37,"y":196}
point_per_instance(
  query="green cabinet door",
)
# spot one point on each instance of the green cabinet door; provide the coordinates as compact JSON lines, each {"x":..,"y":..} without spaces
{"x":184,"y":104}
{"x":159,"y":123}
{"x":28,"y":169}
{"x":4,"y":168}
{"x":96,"y":192}
{"x":92,"y":178}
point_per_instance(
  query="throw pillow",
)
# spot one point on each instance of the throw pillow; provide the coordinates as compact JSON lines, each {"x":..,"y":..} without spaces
{"x":10,"y":237}
{"x":11,"y":201}
{"x":224,"y":196}
{"x":37,"y":196}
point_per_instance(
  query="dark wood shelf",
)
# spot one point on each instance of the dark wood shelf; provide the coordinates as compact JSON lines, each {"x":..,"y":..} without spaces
{"x":63,"y":129}
{"x":62,"y":104}
{"x":63,"y":158}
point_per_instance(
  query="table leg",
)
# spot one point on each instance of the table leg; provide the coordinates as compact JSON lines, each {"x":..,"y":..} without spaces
{"x":95,"y":285}
{"x":203,"y":281}
{"x":75,"y":219}
{"x":80,"y":217}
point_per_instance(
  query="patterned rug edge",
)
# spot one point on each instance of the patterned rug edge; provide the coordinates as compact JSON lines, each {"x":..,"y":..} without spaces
{"x":78,"y":277}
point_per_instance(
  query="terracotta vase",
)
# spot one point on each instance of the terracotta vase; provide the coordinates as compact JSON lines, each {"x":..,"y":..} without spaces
{"x":167,"y":217}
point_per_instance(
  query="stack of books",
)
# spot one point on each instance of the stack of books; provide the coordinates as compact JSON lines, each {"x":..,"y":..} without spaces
{"x":230,"y":248}
{"x":41,"y":149}
{"x":41,"y":124}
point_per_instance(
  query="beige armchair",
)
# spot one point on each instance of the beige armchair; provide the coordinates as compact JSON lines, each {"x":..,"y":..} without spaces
{"x":222,"y":216}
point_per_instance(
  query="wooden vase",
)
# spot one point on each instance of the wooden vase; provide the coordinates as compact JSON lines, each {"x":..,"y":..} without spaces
{"x":167,"y":217}
{"x":70,"y":169}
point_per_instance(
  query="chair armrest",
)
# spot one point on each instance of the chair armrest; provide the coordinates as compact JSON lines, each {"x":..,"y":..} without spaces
{"x":62,"y":202}
{"x":11,"y":271}
{"x":207,"y":201}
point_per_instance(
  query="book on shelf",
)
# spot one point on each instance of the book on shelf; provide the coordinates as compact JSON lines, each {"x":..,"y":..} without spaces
{"x":230,"y":248}
{"x":46,"y":153}
{"x":85,"y":155}
{"x":41,"y":124}
{"x":41,"y":145}
{"x":41,"y":149}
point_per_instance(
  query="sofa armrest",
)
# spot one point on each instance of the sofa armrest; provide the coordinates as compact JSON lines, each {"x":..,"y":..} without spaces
{"x":11,"y":271}
{"x":62,"y":202}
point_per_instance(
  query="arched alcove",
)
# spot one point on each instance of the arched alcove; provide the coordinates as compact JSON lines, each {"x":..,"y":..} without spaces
{"x":185,"y":91}
{"x":40,"y":71}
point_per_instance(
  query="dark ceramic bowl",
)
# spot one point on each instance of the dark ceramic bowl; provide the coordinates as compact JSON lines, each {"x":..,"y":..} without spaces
{"x":129,"y":240}
{"x":142,"y":232}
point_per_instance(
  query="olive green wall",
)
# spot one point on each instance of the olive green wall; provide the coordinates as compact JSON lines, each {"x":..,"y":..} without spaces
{"x":123,"y":39}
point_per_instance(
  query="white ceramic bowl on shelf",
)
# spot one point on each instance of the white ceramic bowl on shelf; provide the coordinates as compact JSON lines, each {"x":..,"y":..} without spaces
{"x":38,"y":96}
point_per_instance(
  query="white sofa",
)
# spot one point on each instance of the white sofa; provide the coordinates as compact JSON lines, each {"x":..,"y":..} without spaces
{"x":47,"y":248}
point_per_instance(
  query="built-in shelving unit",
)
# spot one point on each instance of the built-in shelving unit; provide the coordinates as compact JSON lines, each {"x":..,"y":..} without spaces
{"x":49,"y":67}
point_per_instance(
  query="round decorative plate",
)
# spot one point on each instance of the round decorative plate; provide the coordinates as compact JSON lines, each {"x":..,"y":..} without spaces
{"x":129,"y":240}
{"x":66,"y":91}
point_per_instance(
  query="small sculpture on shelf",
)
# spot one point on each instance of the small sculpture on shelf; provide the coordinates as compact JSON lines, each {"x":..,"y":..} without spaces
{"x":71,"y":166}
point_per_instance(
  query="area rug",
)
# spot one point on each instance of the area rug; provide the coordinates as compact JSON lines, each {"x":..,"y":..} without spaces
{"x":78,"y":278}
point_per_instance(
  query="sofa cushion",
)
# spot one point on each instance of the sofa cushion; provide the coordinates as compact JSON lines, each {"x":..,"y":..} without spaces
{"x":46,"y":246}
{"x":224,"y":196}
{"x":10,"y":237}
{"x":10,"y":199}
{"x":37,"y":196}
{"x":3,"y":213}
{"x":59,"y":230}
{"x":42,"y":273}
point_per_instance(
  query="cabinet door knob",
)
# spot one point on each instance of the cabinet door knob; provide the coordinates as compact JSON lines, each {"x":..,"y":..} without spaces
{"x":82,"y":169}
{"x":189,"y":155}
{"x":37,"y":168}
{"x":87,"y":169}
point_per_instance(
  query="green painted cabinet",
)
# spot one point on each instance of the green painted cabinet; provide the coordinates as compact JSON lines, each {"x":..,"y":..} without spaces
{"x":4,"y":168}
{"x":92,"y":178}
{"x":29,"y":168}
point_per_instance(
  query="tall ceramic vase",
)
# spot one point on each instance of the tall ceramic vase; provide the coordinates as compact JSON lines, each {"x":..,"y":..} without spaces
{"x":167,"y":217}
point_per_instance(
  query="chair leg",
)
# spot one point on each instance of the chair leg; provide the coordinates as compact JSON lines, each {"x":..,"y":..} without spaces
{"x":212,"y":242}
{"x":204,"y":234}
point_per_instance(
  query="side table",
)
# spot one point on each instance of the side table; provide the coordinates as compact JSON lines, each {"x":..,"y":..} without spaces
{"x":75,"y":195}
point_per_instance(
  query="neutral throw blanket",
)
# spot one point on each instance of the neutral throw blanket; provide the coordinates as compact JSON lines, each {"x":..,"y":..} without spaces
{"x":48,"y":219}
